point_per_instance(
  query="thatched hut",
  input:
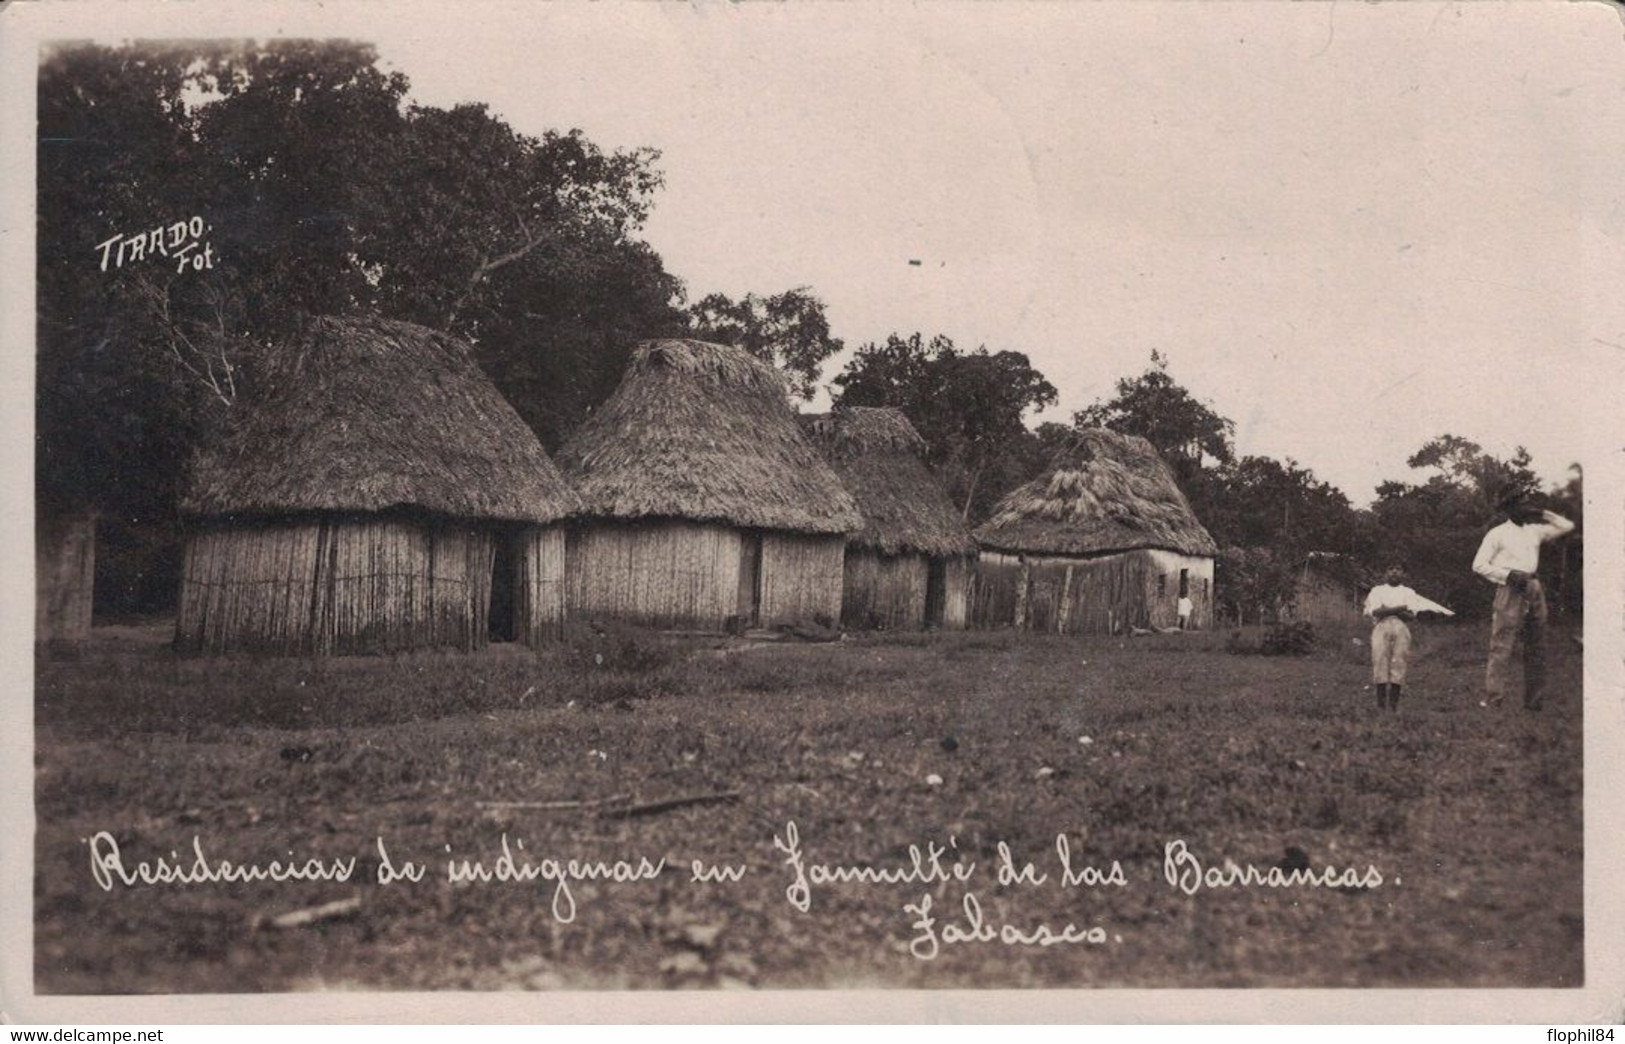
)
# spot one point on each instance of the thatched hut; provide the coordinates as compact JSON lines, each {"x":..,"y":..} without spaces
{"x":704,"y":504}
{"x":1102,"y":542}
{"x":64,"y":571}
{"x":382,"y":496}
{"x":908,"y":567}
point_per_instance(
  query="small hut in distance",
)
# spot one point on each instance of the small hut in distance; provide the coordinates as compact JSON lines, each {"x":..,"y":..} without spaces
{"x":908,"y":567}
{"x":1103,"y":541}
{"x":1328,"y":590}
{"x":381,"y":497}
{"x":704,"y":505}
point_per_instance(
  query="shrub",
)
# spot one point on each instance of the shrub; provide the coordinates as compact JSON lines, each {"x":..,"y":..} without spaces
{"x":621,"y":688}
{"x":617,"y":647}
{"x":1240,"y":645}
{"x":1287,"y":639}
{"x":1292,"y":639}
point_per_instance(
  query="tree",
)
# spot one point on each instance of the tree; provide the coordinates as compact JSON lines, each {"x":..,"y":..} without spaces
{"x":1252,"y":583}
{"x":1186,"y":431}
{"x":1280,"y":504}
{"x":1464,"y":466}
{"x":969,"y":407}
{"x":321,"y":190}
{"x":789,"y":330}
{"x":558,"y":343}
{"x":1269,"y":516}
{"x":525,"y":246}
{"x":299,"y":141}
{"x":114,"y":414}
{"x":111,"y":159}
{"x":1434,"y":527}
{"x":1191,"y":436}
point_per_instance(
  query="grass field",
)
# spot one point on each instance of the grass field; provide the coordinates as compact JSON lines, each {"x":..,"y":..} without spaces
{"x":1473,"y":817}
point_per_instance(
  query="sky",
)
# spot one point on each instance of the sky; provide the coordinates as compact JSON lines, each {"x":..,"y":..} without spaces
{"x":1349,"y":227}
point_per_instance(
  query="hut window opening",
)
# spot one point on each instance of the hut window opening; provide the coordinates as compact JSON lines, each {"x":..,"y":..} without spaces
{"x":1162,"y":584}
{"x":504,"y":582}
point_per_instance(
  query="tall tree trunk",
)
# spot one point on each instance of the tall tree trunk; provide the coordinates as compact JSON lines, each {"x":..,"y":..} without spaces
{"x":970,"y":492}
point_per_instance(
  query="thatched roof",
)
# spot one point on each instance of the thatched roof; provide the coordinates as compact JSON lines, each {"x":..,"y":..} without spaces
{"x":367,"y":414}
{"x":704,"y":431}
{"x":1103,"y":492}
{"x":877,"y":455}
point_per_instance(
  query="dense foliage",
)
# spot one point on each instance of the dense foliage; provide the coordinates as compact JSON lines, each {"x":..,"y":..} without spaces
{"x":788,"y":330}
{"x":321,"y":188}
{"x":969,"y":406}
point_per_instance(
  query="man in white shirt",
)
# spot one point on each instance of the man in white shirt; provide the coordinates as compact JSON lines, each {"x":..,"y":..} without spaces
{"x":1186,"y":608}
{"x":1509,"y":557}
{"x":1389,"y":606}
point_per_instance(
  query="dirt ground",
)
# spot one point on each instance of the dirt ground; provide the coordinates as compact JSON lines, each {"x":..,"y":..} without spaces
{"x":951,"y":749}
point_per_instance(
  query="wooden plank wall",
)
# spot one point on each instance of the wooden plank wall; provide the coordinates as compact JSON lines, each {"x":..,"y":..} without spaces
{"x":335,"y":586}
{"x":801,"y":578}
{"x":956,"y":608}
{"x":539,"y":588}
{"x":1106,"y":595}
{"x":995,"y":583}
{"x":883,"y":592}
{"x":64,"y":575}
{"x":662,"y":573}
{"x":1100,"y":595}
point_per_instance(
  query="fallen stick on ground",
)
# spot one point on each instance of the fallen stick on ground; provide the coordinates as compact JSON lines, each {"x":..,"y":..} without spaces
{"x":316,"y":914}
{"x":554,"y":806}
{"x":652,"y":807}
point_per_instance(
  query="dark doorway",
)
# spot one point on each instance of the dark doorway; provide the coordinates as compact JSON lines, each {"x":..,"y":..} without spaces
{"x":1184,"y":583}
{"x":936,"y":592}
{"x":504,"y":580}
{"x":750,"y":579}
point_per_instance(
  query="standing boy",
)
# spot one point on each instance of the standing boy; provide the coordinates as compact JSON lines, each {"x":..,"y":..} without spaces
{"x":1186,"y":608}
{"x":1508,"y":558}
{"x":1389,"y":605}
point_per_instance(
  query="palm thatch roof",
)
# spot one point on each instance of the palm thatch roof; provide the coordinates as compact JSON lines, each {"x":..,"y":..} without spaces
{"x":368,"y":414}
{"x":877,"y":454}
{"x":1103,"y":492}
{"x":704,"y":431}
